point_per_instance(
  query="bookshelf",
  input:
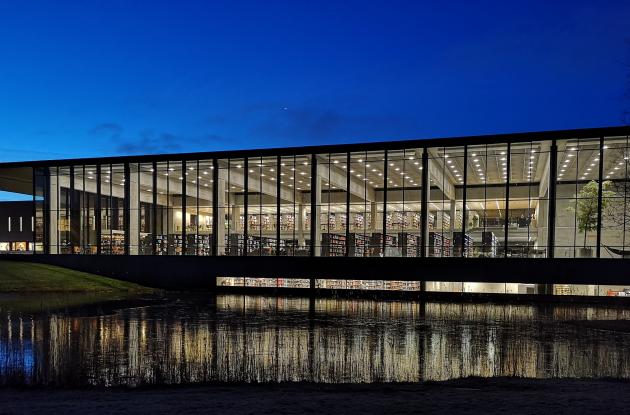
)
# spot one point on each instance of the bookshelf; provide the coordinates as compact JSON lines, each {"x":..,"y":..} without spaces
{"x":333,"y":244}
{"x":490,"y":244}
{"x":463,"y":243}
{"x":358,"y":245}
{"x":410,"y":244}
{"x":439,"y":245}
{"x":376,"y":243}
{"x":113,"y":244}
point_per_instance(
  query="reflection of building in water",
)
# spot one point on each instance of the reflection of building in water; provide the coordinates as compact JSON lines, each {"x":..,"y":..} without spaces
{"x":260,"y":339}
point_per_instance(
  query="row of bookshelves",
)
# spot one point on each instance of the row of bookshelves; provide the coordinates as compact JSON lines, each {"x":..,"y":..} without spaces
{"x":358,"y":245}
{"x":337,"y":221}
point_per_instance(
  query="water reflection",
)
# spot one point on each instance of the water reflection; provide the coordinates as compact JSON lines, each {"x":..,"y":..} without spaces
{"x":269,"y":339}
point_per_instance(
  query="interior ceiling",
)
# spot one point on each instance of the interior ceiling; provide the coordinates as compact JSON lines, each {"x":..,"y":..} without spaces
{"x":578,"y":160}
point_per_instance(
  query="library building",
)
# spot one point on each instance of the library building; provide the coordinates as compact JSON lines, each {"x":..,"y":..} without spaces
{"x":526,"y":196}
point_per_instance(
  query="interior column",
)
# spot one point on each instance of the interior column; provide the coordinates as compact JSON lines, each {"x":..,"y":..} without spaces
{"x":300,"y":225}
{"x":373,"y":216}
{"x":453,"y":214}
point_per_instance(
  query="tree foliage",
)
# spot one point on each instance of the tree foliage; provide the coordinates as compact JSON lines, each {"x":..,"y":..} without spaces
{"x":586,"y":205}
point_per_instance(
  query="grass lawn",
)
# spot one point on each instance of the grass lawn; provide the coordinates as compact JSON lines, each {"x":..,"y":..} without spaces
{"x":24,"y":277}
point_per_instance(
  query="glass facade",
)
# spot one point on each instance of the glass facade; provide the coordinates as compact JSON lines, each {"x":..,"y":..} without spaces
{"x":510,"y":197}
{"x":482,"y":200}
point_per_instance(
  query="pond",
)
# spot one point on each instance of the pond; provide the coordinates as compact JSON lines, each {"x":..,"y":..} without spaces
{"x":235,"y":338}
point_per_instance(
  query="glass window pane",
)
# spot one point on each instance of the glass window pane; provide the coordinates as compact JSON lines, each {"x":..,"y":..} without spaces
{"x":576,"y":198}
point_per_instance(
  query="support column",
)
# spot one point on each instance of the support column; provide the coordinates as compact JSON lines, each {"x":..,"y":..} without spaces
{"x":348,"y":163}
{"x":600,"y":190}
{"x":316,"y":209}
{"x":97,"y":212}
{"x":215,"y":208}
{"x":424,"y":208}
{"x":134,"y":210}
{"x":245,"y":208}
{"x":383,"y":246}
{"x":218,"y":215}
{"x":551,"y":220}
{"x":53,"y":191}
{"x":74,"y":216}
{"x":126,"y":208}
{"x":154,"y":209}
{"x":184,"y":208}
{"x":424,"y":211}
{"x":464,"y":210}
{"x":278,"y":203}
{"x":506,"y":220}
{"x":316,"y":186}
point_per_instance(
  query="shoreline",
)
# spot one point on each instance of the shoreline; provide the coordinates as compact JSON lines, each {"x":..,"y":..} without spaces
{"x":469,"y":395}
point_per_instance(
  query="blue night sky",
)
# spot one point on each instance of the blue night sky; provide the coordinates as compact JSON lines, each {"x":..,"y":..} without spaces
{"x":98,"y":78}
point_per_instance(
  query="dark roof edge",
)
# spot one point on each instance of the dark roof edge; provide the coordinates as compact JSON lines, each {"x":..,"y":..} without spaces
{"x":340,"y":148}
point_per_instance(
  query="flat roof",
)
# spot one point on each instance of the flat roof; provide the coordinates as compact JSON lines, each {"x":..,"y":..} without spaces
{"x":615,"y":131}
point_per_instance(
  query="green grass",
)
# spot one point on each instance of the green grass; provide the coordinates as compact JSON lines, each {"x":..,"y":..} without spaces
{"x":24,"y":277}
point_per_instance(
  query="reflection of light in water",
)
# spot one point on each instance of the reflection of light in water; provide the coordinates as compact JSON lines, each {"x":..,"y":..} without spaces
{"x":269,"y":339}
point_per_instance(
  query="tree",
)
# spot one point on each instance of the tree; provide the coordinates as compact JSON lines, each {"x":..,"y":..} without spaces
{"x":586,"y":205}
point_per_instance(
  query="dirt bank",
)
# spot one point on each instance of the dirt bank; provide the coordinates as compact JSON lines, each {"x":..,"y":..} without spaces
{"x":469,"y":396}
